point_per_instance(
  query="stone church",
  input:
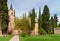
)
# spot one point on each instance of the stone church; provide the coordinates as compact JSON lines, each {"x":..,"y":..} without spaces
{"x":11,"y":14}
{"x":11,"y":24}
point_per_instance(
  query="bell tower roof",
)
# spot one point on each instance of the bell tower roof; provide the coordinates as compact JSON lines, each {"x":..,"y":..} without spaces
{"x":11,"y":7}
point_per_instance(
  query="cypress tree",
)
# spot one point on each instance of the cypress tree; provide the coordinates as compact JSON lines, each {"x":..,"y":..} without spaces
{"x":32,"y":16}
{"x":3,"y":15}
{"x":55,"y":20}
{"x":52,"y":24}
{"x":40,"y":21}
{"x":45,"y":19}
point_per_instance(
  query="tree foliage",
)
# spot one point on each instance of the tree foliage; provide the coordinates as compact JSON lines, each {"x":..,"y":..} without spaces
{"x":52,"y":24}
{"x":32,"y":17}
{"x":3,"y":15}
{"x":55,"y":20}
{"x":23,"y":24}
{"x":45,"y":19}
{"x":40,"y":21}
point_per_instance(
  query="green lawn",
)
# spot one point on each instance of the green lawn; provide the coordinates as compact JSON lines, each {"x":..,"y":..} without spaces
{"x":5,"y":38}
{"x":41,"y":38}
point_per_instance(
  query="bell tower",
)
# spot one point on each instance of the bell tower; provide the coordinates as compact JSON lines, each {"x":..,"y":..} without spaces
{"x":11,"y":14}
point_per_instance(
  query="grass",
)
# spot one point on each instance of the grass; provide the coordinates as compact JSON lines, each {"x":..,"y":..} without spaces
{"x":5,"y":38}
{"x":41,"y":38}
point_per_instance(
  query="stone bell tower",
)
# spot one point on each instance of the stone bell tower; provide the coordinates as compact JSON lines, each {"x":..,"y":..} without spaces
{"x":11,"y":14}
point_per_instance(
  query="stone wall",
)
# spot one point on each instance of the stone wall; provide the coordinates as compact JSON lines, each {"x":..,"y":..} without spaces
{"x":56,"y":30}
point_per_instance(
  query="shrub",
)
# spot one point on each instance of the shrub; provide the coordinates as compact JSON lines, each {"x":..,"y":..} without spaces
{"x":23,"y":34}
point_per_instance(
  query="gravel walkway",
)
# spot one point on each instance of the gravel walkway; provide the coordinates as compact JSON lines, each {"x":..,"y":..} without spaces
{"x":15,"y":38}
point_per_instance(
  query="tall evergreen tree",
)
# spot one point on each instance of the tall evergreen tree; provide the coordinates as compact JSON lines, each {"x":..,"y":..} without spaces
{"x":52,"y":24}
{"x":32,"y":16}
{"x":45,"y":19}
{"x":3,"y":15}
{"x":55,"y":20}
{"x":39,"y":20}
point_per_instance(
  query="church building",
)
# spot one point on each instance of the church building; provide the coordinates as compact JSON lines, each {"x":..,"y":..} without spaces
{"x":11,"y":14}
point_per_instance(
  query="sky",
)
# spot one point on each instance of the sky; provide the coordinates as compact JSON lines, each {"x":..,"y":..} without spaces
{"x":25,"y":6}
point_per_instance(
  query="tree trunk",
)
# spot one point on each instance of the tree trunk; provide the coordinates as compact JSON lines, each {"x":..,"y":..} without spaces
{"x":0,"y":31}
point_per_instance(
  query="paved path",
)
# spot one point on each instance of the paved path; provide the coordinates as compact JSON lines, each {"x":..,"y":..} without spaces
{"x":15,"y":38}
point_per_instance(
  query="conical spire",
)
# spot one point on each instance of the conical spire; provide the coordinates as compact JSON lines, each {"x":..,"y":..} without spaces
{"x":11,"y":7}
